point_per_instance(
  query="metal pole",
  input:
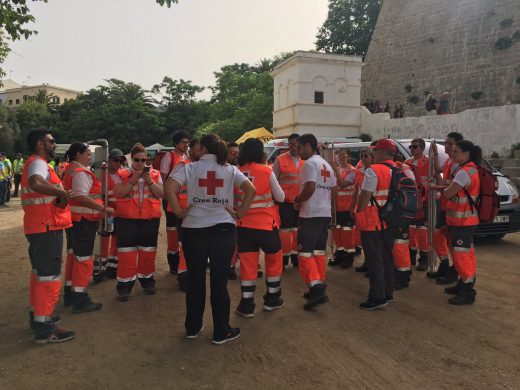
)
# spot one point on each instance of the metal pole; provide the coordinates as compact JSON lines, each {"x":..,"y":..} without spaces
{"x":432,"y":210}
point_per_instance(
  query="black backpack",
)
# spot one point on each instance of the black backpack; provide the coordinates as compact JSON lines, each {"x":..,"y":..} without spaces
{"x":401,"y":206}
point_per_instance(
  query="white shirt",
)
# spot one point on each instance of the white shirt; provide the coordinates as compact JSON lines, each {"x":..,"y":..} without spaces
{"x":210,"y":191}
{"x":276,"y":190}
{"x":462,"y":178}
{"x":81,"y":184}
{"x":166,"y":162}
{"x":40,"y":168}
{"x":317,"y":170}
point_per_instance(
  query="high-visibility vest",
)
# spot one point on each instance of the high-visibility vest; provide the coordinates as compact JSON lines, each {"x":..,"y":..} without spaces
{"x":446,"y":175}
{"x":182,"y":195}
{"x":263,"y":213}
{"x":420,"y":171}
{"x":459,"y":211}
{"x":40,"y":211}
{"x":360,"y":175}
{"x":368,"y":219}
{"x":18,"y":166}
{"x":112,"y":200}
{"x":130,"y":206}
{"x":77,"y":210}
{"x":289,"y":176}
{"x":345,"y":196}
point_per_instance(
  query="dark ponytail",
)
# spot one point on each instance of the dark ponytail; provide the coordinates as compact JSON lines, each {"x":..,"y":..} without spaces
{"x":214,"y":145}
{"x":475,"y":151}
{"x":75,"y":148}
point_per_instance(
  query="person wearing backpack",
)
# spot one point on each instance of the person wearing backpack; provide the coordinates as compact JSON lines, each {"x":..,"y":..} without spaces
{"x":169,"y":162}
{"x":462,"y":218}
{"x":376,"y":238}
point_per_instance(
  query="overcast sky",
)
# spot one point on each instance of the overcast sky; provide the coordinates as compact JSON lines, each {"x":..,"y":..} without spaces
{"x":82,"y":42}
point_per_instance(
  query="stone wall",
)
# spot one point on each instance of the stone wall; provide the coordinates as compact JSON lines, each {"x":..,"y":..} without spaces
{"x":495,"y":129}
{"x":445,"y":45}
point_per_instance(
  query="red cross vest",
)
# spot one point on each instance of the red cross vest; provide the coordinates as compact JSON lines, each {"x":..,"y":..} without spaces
{"x":130,"y":206}
{"x":420,"y":171}
{"x":182,"y":195}
{"x":78,"y":211}
{"x":263,"y":213}
{"x":459,"y":211}
{"x":289,"y":176}
{"x":368,"y":219}
{"x":40,"y":212}
{"x":345,"y":196}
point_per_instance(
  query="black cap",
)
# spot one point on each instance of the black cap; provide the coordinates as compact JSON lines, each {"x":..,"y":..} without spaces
{"x":115,"y":153}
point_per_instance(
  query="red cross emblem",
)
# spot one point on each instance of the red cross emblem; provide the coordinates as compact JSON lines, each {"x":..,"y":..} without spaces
{"x":325,"y":173}
{"x":211,"y":183}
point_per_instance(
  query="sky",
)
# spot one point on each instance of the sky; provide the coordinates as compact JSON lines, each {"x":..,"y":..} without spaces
{"x":80,"y":43}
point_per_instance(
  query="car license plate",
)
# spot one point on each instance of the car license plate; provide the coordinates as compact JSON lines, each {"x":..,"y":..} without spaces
{"x":501,"y":219}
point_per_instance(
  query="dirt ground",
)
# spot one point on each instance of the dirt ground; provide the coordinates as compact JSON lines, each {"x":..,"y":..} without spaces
{"x":418,"y":342}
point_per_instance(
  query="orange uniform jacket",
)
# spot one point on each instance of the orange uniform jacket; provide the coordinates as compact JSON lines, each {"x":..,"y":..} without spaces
{"x":78,"y":211}
{"x":130,"y":206}
{"x":459,"y":211}
{"x":289,"y":176}
{"x":263,"y":213}
{"x":345,"y":196}
{"x":40,"y":211}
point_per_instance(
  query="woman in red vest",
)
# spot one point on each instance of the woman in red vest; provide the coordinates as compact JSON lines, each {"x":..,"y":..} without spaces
{"x":343,"y":233}
{"x":87,"y":209}
{"x":259,"y":229}
{"x":462,"y":219}
{"x":139,"y":192}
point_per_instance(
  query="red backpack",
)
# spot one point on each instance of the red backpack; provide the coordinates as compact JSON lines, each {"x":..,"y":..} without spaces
{"x":157,"y":159}
{"x":488,"y":201}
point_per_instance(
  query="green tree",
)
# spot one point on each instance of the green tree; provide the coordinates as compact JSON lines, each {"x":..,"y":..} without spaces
{"x":30,"y":115}
{"x":349,"y":26}
{"x":9,"y":131}
{"x":178,"y":105}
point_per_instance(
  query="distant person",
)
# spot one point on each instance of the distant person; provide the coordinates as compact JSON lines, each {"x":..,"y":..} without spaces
{"x":18,"y":164}
{"x":396,"y":111}
{"x":444,"y":105}
{"x":401,"y":111}
{"x":431,"y":105}
{"x":8,"y":175}
{"x":3,"y":181}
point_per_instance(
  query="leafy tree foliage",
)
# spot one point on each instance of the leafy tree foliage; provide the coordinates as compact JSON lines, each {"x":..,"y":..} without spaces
{"x":9,"y":131}
{"x":349,"y":26}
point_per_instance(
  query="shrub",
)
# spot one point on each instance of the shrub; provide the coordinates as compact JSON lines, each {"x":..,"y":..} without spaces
{"x":513,"y":148}
{"x":516,"y":36}
{"x":365,"y":137}
{"x":504,"y":43}
{"x":408,"y":88}
{"x":506,"y":23}
{"x":477,"y":95}
{"x":426,"y":92}
{"x":495,"y":155}
{"x":413,"y":99}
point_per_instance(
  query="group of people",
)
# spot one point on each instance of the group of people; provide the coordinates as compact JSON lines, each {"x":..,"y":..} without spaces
{"x":10,"y":173}
{"x":224,"y":203}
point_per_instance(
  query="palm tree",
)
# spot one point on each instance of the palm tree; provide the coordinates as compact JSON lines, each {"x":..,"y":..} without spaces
{"x":262,"y":66}
{"x":124,"y":93}
{"x":45,"y":98}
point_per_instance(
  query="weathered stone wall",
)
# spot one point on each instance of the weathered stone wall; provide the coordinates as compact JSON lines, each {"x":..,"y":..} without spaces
{"x":495,"y":129}
{"x":445,"y":45}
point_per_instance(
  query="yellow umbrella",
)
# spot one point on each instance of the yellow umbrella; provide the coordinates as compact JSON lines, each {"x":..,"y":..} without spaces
{"x":262,"y":134}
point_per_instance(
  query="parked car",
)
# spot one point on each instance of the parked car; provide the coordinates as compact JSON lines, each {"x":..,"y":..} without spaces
{"x":508,"y":218}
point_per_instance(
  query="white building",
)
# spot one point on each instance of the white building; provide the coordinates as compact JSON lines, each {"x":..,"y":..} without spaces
{"x":318,"y":93}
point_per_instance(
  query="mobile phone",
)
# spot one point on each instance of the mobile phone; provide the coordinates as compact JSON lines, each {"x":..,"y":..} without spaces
{"x":146,"y":169}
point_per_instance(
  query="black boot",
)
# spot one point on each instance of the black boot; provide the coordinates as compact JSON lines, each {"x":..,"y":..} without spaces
{"x":294,"y":260}
{"x":444,"y":266}
{"x":285,"y":260}
{"x":55,"y":320}
{"x":358,"y":250}
{"x":348,"y":260}
{"x":81,"y":303}
{"x":173,"y":262}
{"x":182,"y":278}
{"x":338,"y":258}
{"x":423,"y":261}
{"x":402,"y":279}
{"x":246,"y":308}
{"x":317,"y":296}
{"x":453,"y":290}
{"x":450,"y":277}
{"x":232,"y":273}
{"x":413,"y":256}
{"x":362,"y":268}
{"x":273,"y":301}
{"x":465,"y":296}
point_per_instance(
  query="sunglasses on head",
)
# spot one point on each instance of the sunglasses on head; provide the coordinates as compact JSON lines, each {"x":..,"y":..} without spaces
{"x":141,"y":160}
{"x":413,"y":147}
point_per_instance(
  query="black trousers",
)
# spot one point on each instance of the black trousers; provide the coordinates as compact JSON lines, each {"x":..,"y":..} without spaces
{"x":251,"y":240}
{"x":378,"y":247}
{"x":288,"y":215}
{"x":45,"y":252}
{"x":217,"y":243}
{"x":17,"y":181}
{"x":312,"y":234}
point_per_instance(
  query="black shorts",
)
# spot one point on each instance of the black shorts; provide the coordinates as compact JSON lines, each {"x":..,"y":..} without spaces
{"x":461,"y":236}
{"x":45,"y":252}
{"x":172,"y":220}
{"x":288,"y":215}
{"x":313,"y":234}
{"x":137,"y":232}
{"x":251,"y":240}
{"x":344,"y":218}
